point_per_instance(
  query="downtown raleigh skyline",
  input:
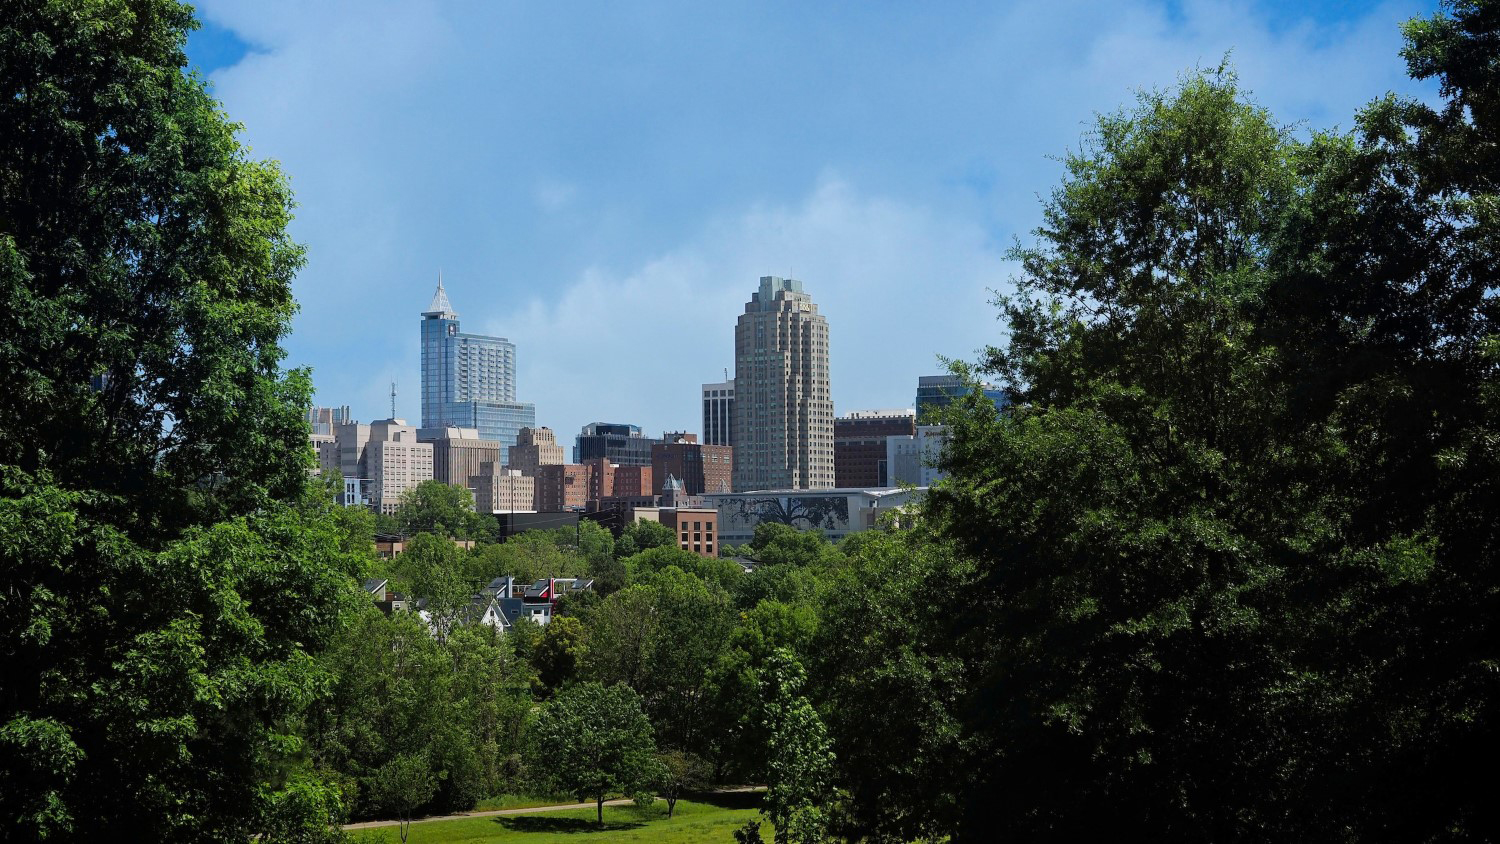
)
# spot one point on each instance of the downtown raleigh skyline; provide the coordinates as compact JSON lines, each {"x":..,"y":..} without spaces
{"x":770,"y":427}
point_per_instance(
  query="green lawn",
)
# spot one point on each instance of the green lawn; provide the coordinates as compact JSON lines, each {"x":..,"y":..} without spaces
{"x":694,"y":821}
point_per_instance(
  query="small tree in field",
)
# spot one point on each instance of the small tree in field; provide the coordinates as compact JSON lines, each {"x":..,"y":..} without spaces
{"x":596,"y":741}
{"x":403,"y":784}
{"x":682,"y":771}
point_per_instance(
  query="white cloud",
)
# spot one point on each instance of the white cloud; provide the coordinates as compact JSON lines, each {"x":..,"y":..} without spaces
{"x":605,"y":185}
{"x":899,"y":284}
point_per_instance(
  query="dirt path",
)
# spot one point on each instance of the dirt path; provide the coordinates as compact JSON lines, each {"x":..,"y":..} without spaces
{"x":589,"y":804}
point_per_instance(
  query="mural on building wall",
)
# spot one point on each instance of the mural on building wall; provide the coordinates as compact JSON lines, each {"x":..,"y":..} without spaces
{"x":823,"y":512}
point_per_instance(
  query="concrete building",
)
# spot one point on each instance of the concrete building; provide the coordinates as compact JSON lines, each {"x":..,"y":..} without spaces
{"x":935,"y":392}
{"x":718,"y":413}
{"x":458,"y":453}
{"x":563,"y":486}
{"x":499,"y":490}
{"x":835,"y":513}
{"x":783,"y":410}
{"x":534,"y":447}
{"x":617,"y":442}
{"x":911,"y":458}
{"x":514,"y":524}
{"x":326,"y":449}
{"x":350,"y":441}
{"x":322,"y":420}
{"x":394,"y":462}
{"x":859,"y":445}
{"x":696,"y":530}
{"x":701,"y":468}
{"x":469,"y":380}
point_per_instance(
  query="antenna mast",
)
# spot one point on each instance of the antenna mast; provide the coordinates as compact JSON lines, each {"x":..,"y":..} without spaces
{"x":393,"y":399}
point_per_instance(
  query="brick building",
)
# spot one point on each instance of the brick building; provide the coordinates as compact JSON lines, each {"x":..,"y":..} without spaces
{"x":859,"y":446}
{"x":562,"y":486}
{"x":701,"y":468}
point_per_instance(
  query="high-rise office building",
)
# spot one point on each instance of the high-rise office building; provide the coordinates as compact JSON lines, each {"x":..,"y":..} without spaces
{"x":783,"y":410}
{"x":718,"y":413}
{"x":393,"y":461}
{"x":498,"y":490}
{"x":616,"y":442}
{"x":469,"y":380}
{"x":935,"y":392}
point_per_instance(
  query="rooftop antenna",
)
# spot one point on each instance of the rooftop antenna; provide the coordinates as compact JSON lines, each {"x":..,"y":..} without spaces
{"x":393,"y":399}
{"x":726,"y":373}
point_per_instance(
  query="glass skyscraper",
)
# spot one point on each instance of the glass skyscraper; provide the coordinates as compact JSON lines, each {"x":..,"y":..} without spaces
{"x":935,"y":392}
{"x":469,"y":380}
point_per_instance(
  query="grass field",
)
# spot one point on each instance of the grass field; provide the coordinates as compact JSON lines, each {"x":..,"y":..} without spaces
{"x":711,"y":818}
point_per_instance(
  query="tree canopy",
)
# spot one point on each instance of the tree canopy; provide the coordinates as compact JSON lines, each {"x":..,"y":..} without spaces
{"x":594,"y":740}
{"x":442,"y":509}
{"x":1226,"y":566}
{"x":165,"y":573}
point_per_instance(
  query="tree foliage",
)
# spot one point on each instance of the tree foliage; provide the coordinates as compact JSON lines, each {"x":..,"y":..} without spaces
{"x":443,"y":509}
{"x":1226,"y":566}
{"x":165,"y":576}
{"x":799,"y":756}
{"x":594,"y":740}
{"x":446,"y":713}
{"x":643,"y":535}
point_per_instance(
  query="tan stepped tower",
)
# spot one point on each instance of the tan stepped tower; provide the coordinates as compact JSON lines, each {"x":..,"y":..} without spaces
{"x":783,"y":412}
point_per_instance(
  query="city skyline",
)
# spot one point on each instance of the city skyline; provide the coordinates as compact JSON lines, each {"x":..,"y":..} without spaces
{"x":572,"y":181}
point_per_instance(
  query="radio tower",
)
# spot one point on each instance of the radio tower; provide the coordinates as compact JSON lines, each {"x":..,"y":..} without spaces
{"x":393,"y":399}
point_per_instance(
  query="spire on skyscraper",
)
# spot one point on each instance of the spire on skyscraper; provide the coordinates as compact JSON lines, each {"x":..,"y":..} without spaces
{"x":440,"y":304}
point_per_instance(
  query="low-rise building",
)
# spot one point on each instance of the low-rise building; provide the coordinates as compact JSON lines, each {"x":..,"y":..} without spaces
{"x":701,"y":468}
{"x":836,"y":513}
{"x":912,"y":459}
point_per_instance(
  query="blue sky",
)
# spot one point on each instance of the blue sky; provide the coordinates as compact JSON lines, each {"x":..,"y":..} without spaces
{"x":604,"y":183}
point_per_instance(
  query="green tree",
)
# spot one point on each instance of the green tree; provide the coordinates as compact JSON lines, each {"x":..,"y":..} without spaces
{"x":401,"y":785}
{"x":442,"y":509}
{"x":1233,"y":545}
{"x":432,"y":569}
{"x":733,"y":683}
{"x":661,"y":637}
{"x":799,"y":757}
{"x":593,"y":741}
{"x":643,"y":535}
{"x":623,"y":633}
{"x":165,"y":578}
{"x":1122,"y":622}
{"x":724,"y":573}
{"x":557,"y":654}
{"x":458,"y":706}
{"x":878,"y":648}
{"x":681,"y":772}
{"x":528,"y":557}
